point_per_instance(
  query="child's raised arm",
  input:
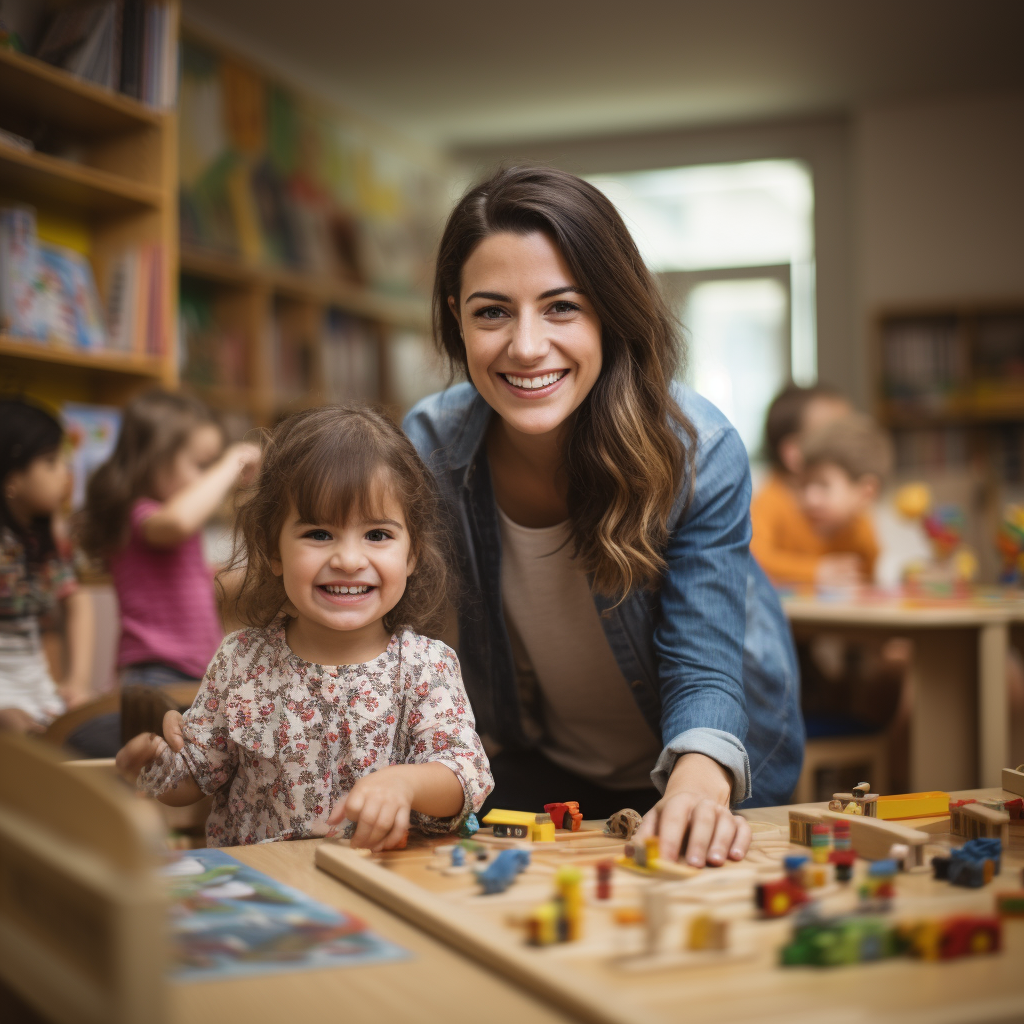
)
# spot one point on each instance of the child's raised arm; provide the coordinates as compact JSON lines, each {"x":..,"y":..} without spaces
{"x":185,"y":512}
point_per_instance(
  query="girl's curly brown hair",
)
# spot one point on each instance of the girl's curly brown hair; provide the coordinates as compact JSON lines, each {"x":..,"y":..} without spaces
{"x":326,"y":462}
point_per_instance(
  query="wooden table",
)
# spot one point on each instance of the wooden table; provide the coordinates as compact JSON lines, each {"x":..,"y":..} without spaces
{"x":960,"y":725}
{"x":442,"y":985}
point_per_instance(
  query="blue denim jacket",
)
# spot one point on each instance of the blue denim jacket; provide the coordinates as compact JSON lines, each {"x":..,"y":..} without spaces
{"x":708,"y":655}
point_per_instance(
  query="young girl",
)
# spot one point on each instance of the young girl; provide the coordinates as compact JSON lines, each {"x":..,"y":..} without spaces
{"x":144,"y":509}
{"x":36,"y":577}
{"x":331,"y":705}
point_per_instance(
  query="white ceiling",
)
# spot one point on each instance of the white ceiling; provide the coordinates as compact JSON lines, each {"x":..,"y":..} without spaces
{"x":463,"y":72}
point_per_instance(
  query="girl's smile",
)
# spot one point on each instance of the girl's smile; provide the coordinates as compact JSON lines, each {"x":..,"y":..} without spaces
{"x":341,"y":579}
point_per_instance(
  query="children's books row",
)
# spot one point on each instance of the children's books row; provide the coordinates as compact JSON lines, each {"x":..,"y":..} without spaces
{"x":125,"y":45}
{"x":48,"y":292}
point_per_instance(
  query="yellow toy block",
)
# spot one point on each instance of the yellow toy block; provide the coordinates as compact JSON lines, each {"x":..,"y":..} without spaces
{"x":913,"y":805}
{"x":497,"y":817}
{"x":542,"y":832}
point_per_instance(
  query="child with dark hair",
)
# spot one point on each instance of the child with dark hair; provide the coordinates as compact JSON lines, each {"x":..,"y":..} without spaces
{"x":784,"y":540}
{"x":332,"y":705}
{"x":37,"y":581}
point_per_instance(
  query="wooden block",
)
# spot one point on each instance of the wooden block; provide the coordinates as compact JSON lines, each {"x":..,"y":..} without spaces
{"x":1013,"y":780}
{"x":872,"y":838}
{"x":913,"y":805}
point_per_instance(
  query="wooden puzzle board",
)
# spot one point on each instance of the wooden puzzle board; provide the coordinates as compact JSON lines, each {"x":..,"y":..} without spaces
{"x":607,"y":978}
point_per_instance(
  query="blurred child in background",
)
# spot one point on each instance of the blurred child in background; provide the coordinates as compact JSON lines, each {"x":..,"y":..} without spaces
{"x":145,"y":508}
{"x":332,"y":705}
{"x":845,"y":463}
{"x":38,"y":588}
{"x":784,"y":540}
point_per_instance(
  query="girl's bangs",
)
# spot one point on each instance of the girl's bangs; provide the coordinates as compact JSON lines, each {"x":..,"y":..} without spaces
{"x":335,"y":480}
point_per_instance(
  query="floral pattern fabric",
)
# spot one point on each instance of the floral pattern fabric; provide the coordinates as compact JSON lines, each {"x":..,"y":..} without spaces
{"x":278,"y":740}
{"x":30,"y":587}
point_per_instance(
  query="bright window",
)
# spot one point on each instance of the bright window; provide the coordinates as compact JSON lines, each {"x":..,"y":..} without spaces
{"x":734,"y":247}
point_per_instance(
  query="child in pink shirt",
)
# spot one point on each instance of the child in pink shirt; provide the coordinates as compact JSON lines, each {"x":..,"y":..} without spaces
{"x":145,"y":508}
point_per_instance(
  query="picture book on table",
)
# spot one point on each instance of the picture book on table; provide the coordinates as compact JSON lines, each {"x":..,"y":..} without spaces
{"x":229,"y":920}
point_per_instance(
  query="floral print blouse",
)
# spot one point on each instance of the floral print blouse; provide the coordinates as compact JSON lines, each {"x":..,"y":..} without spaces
{"x":277,"y":740}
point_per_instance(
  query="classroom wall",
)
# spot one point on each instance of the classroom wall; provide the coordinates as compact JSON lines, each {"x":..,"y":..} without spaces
{"x":940,"y":201}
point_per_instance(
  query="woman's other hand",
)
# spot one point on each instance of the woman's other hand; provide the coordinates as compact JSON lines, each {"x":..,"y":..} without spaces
{"x":695,"y":810}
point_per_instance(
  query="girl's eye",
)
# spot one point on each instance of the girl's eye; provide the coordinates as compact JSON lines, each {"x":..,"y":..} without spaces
{"x":490,"y":313}
{"x":377,"y":535}
{"x":564,"y":306}
{"x":317,"y":535}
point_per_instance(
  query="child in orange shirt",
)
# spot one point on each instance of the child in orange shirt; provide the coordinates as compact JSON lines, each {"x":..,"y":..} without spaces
{"x":784,"y":541}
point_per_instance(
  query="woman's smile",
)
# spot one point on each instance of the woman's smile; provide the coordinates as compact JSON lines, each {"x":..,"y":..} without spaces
{"x":534,"y":385}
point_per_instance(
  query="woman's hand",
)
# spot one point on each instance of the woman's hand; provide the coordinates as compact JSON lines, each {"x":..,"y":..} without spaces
{"x":380,"y":803}
{"x":695,"y":807}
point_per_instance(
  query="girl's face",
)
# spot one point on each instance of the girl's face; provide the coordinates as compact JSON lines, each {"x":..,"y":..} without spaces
{"x":202,"y":448}
{"x":40,"y":488}
{"x":345,"y":576}
{"x":533,"y":340}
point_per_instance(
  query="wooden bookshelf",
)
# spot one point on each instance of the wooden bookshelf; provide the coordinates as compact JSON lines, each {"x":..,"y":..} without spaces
{"x":955,"y":370}
{"x":110,"y":170}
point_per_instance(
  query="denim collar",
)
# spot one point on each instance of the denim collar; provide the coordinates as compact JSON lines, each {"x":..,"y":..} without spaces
{"x":472,"y":432}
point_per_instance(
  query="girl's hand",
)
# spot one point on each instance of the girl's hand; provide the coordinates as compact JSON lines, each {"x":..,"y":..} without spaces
{"x":172,"y":727}
{"x":246,"y":458}
{"x":695,"y":807}
{"x":380,"y":804}
{"x":137,"y":753}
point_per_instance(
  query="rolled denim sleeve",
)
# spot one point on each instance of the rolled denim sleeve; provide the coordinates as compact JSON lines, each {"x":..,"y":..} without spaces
{"x":699,"y":639}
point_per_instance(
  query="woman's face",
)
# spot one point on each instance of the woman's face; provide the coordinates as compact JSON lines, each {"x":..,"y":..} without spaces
{"x":533,"y":341}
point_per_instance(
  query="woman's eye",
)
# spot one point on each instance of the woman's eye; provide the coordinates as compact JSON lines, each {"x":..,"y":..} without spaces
{"x":317,"y":535}
{"x":490,"y":313}
{"x":564,"y":306}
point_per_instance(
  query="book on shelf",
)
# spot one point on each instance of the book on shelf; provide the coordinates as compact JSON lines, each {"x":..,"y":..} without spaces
{"x":923,"y":359}
{"x":91,"y":433}
{"x":123,"y":45}
{"x":211,"y":355}
{"x":47,"y":291}
{"x":136,"y":301}
{"x":350,"y":358}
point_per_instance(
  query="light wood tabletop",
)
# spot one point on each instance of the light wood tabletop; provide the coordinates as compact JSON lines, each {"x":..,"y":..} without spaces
{"x":440,"y":984}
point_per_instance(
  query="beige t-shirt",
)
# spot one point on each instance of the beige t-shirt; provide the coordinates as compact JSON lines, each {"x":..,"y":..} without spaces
{"x":590,"y":723}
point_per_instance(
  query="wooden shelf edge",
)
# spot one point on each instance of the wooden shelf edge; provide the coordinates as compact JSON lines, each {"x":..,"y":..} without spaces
{"x":79,"y":174}
{"x":116,"y":102}
{"x":352,"y":298}
{"x":96,"y":359}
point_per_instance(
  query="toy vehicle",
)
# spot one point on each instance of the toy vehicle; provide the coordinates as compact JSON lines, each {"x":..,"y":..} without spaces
{"x":776,"y":899}
{"x":845,"y":940}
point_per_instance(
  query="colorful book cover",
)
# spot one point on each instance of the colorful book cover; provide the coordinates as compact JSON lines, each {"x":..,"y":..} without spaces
{"x":229,"y":920}
{"x":21,"y":311}
{"x":91,"y":432}
{"x":71,"y":304}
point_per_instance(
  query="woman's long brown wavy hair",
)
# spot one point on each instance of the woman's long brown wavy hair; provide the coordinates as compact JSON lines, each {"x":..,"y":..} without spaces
{"x":624,"y":461}
{"x":154,"y":427}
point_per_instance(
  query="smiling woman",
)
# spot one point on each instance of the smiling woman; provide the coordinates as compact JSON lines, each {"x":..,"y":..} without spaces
{"x":616,"y":638}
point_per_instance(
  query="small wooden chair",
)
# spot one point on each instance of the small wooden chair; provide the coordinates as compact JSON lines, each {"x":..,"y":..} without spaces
{"x":83,"y":914}
{"x":58,"y":731}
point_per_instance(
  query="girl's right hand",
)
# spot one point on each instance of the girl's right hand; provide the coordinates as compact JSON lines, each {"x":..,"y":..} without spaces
{"x":247,"y":458}
{"x":137,"y":753}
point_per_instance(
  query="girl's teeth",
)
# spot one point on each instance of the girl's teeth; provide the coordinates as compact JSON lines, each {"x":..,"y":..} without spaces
{"x":346,"y":590}
{"x":529,"y":383}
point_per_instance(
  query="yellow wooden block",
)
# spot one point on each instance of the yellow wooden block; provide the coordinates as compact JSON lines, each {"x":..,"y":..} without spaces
{"x":913,"y":805}
{"x":497,"y":817}
{"x":542,"y":832}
